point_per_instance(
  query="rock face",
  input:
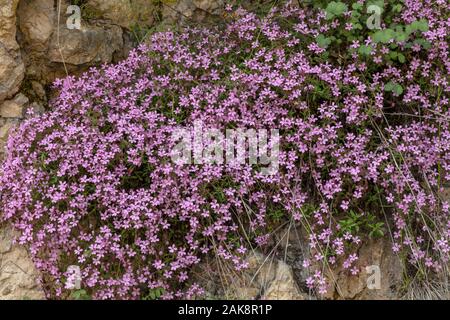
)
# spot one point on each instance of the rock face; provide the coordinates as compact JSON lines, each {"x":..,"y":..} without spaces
{"x":124,"y":13}
{"x":51,"y":48}
{"x":11,"y":66}
{"x":293,"y":245}
{"x":36,"y":22}
{"x":11,"y":112}
{"x":265,"y":278}
{"x":90,"y":45}
{"x":14,"y":108}
{"x":18,"y":277}
{"x":283,"y":285}
{"x":195,"y":10}
{"x":375,"y":254}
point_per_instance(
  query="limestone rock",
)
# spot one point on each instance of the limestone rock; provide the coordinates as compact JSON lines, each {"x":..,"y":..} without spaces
{"x":179,"y":11}
{"x":12,"y":72}
{"x":8,"y":24}
{"x":283,"y":286}
{"x":36,"y":22}
{"x":14,"y":108}
{"x":18,"y":276}
{"x":93,"y":44}
{"x":210,"y":6}
{"x":124,"y":13}
{"x":49,"y":48}
{"x":373,"y":253}
{"x":261,"y":269}
{"x":39,"y":90}
{"x":4,"y":129}
{"x":264,"y":278}
{"x":196,"y":10}
{"x":11,"y":66}
{"x":292,"y":244}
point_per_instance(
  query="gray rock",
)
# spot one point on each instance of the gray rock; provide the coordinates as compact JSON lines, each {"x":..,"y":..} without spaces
{"x":18,"y":276}
{"x":196,"y":10}
{"x":210,"y":6}
{"x":11,"y":67}
{"x":124,"y":13}
{"x":93,"y":44}
{"x":8,"y":24}
{"x":39,"y":90}
{"x":274,"y":278}
{"x":12,"y":72}
{"x":373,"y":253}
{"x":4,"y":129}
{"x":283,"y":286}
{"x":14,"y":108}
{"x":265,"y":278}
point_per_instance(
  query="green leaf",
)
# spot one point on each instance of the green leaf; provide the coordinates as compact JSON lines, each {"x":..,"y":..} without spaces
{"x":383,"y":36}
{"x":80,"y":295}
{"x":393,"y":55}
{"x":356,"y":14}
{"x":365,"y":50}
{"x":424,"y":43}
{"x":323,"y":41}
{"x":409,"y":29}
{"x":376,"y":233}
{"x":398,"y":89}
{"x":397,"y":8}
{"x":389,"y":86}
{"x":420,"y":25}
{"x":335,"y":9}
{"x":401,"y":36}
{"x":357,"y":6}
{"x":393,"y":87}
{"x":154,"y":294}
{"x":357,"y":26}
{"x":423,"y":25}
{"x":401,"y":58}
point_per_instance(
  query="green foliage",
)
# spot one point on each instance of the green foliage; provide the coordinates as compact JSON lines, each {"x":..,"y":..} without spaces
{"x":80,"y":295}
{"x":365,"y":50}
{"x":383,"y":36}
{"x":351,"y":223}
{"x":154,"y":294}
{"x":393,"y":87}
{"x":422,"y":42}
{"x":419,"y":25}
{"x":399,"y":33}
{"x":276,"y":214}
{"x":323,"y":41}
{"x":357,"y":6}
{"x":354,"y":223}
{"x":376,"y":230}
{"x":335,"y":9}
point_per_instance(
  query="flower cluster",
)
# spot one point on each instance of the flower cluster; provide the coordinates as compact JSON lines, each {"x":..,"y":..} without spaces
{"x":364,"y":138}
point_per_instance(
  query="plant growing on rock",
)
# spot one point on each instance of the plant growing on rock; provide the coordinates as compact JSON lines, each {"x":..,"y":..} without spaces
{"x":365,"y":138}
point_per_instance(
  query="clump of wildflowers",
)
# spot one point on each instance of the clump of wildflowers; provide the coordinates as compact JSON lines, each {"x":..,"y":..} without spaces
{"x":364,"y":125}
